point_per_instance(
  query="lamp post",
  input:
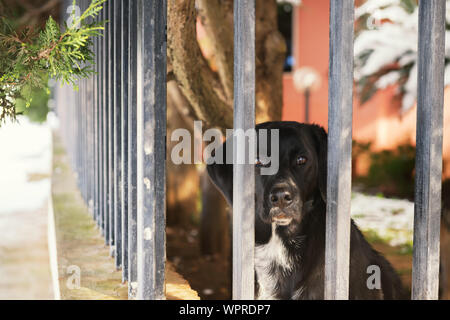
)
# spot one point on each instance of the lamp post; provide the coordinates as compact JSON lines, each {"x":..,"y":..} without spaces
{"x":306,"y":79}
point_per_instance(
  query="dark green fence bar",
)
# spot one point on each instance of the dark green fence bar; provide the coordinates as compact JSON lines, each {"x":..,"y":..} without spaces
{"x":111,"y":109}
{"x":100,"y":129}
{"x":106,"y":103}
{"x":340,"y":98}
{"x":124,"y":137}
{"x":117,"y":129}
{"x":430,"y":104}
{"x":132,"y":151}
{"x":151,"y":147}
{"x":244,"y":174}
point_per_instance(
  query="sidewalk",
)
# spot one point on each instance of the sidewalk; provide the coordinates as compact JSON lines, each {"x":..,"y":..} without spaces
{"x":80,"y":245}
{"x":25,"y":164}
{"x":24,"y":260}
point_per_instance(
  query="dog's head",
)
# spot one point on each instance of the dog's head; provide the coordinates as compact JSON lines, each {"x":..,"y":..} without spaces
{"x":287,"y":195}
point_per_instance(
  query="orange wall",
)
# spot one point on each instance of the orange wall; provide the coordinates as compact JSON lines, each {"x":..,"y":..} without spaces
{"x":379,"y":120}
{"x":310,"y":49}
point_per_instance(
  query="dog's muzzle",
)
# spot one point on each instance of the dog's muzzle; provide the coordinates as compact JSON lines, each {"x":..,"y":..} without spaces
{"x":281,"y":201}
{"x":281,"y":219}
{"x":280,"y":197}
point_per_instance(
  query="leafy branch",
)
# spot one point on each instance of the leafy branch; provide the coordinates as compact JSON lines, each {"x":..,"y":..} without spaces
{"x":28,"y":57}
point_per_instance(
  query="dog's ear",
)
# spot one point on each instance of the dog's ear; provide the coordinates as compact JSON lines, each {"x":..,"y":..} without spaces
{"x":321,"y":143}
{"x":221,"y":174}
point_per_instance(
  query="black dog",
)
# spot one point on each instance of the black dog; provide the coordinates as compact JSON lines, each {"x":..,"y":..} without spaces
{"x":290,"y":222}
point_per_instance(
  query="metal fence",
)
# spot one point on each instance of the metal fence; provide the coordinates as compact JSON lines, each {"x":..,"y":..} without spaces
{"x":114,"y":129}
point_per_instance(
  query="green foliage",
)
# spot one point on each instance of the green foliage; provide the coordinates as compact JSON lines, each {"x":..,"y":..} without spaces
{"x":373,"y":237}
{"x":392,"y":171}
{"x":359,"y":148}
{"x":29,"y":57}
{"x":409,"y":5}
{"x":38,"y":108}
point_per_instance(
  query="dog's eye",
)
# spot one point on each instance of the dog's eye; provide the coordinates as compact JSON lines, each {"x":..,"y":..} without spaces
{"x":301,"y":160}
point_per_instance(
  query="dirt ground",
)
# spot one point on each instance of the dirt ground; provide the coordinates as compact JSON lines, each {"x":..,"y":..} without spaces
{"x":211,"y":276}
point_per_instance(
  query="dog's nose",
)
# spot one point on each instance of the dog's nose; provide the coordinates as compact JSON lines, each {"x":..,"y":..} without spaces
{"x":280,"y":198}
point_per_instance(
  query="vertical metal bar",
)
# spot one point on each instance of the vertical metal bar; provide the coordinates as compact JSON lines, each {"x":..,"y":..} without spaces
{"x":151,"y":147}
{"x":83,"y":137}
{"x":86,"y":120}
{"x":244,"y":174}
{"x":100,"y":127}
{"x":430,"y":102}
{"x":132,"y":152}
{"x":80,"y":132}
{"x":86,"y":149}
{"x":337,"y":244}
{"x":79,"y":137}
{"x":88,"y":138}
{"x":117,"y":27}
{"x":90,"y":145}
{"x":106,"y":108}
{"x":77,"y":155}
{"x":75,"y":136}
{"x":72,"y":135}
{"x":102,"y":197}
{"x":95,"y":124}
{"x":82,"y":107}
{"x":111,"y":111}
{"x":85,"y":132}
{"x":124,"y":138}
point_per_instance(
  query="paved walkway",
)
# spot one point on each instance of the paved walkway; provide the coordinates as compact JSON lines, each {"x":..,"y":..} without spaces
{"x":24,"y":260}
{"x":81,"y":247}
{"x":24,"y":190}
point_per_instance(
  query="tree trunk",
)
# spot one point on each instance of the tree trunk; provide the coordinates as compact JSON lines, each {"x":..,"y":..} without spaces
{"x":270,"y":56}
{"x":215,"y":238}
{"x":210,"y":93}
{"x":182,"y":180}
{"x":199,"y":84}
